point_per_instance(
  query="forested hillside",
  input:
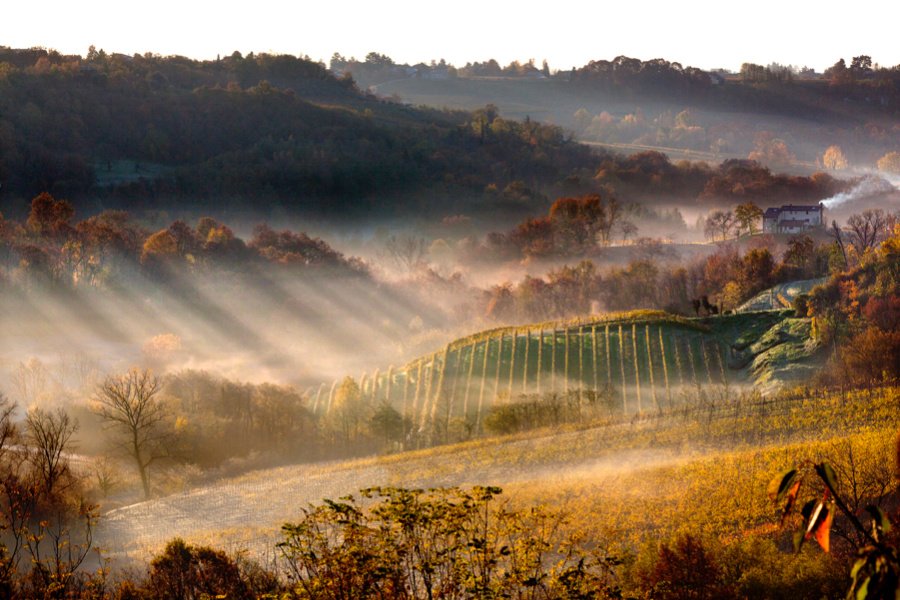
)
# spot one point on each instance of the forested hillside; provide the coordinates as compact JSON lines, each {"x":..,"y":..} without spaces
{"x":788,"y":117}
{"x":150,"y":131}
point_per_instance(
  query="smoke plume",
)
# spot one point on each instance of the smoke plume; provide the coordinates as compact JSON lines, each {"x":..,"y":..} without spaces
{"x":868,"y":186}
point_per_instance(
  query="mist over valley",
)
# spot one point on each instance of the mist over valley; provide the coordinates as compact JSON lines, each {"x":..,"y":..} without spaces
{"x":273,"y":327}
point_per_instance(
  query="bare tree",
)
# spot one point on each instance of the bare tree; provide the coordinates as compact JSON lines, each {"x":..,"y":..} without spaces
{"x":129,"y":404}
{"x":41,"y":519}
{"x":867,"y":229}
{"x":15,"y":496}
{"x":50,"y":435}
{"x":406,"y":251}
{"x":610,"y":213}
{"x":9,"y":433}
{"x":31,"y":380}
{"x":628,"y":229}
{"x":719,"y":223}
{"x":839,"y":238}
{"x":60,"y":523}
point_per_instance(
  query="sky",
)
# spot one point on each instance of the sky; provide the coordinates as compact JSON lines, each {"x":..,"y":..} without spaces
{"x":567,"y":33}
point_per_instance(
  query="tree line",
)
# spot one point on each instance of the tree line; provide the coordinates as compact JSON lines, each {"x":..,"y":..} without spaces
{"x":51,"y":248}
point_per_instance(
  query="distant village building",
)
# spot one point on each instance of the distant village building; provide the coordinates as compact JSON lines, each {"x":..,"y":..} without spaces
{"x":793,"y":219}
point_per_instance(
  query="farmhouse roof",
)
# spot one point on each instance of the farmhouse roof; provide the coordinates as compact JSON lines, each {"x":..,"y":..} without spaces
{"x":806,"y":207}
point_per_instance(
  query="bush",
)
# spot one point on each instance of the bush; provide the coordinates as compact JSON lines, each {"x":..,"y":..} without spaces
{"x":184,"y":572}
{"x":873,"y":356}
{"x":685,"y":570}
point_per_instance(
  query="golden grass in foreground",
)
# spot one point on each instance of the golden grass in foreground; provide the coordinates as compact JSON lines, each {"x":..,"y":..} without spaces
{"x":621,"y":485}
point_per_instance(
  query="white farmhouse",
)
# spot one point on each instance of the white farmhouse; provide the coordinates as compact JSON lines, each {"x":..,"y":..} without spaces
{"x":793,"y":219}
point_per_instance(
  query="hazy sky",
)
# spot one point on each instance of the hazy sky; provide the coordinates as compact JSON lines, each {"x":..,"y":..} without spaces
{"x":567,"y":33}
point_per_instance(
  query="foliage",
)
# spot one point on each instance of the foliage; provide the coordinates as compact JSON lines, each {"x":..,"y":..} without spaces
{"x":834,"y":158}
{"x":657,"y":76}
{"x":748,"y":215}
{"x":46,"y":521}
{"x":261,"y":126}
{"x":447,"y":543}
{"x":889,"y":163}
{"x":685,"y":570}
{"x":185,"y":572}
{"x":873,"y":356}
{"x":876,"y":572}
{"x":110,"y":249}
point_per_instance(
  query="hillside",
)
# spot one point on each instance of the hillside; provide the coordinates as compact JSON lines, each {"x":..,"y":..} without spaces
{"x":697,"y":122}
{"x":631,"y":363}
{"x":780,"y":296}
{"x":172,"y":133}
{"x":620,"y":483}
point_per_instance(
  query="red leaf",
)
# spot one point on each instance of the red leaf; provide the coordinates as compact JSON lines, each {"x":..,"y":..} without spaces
{"x":823,"y":531}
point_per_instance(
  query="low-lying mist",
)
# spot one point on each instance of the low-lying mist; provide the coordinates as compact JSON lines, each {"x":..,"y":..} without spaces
{"x":262,"y":326}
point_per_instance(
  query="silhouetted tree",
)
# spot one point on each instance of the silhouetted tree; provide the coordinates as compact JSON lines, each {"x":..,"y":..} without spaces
{"x":129,"y":404}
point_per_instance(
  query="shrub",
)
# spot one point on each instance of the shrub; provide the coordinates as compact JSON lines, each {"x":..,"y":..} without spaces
{"x":873,"y":356}
{"x":184,"y":572}
{"x":685,"y":570}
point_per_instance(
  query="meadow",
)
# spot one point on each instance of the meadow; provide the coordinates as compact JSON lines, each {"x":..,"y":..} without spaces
{"x":622,"y":485}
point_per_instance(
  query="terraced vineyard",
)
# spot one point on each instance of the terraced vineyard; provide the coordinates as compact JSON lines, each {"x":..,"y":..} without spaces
{"x":640,"y":361}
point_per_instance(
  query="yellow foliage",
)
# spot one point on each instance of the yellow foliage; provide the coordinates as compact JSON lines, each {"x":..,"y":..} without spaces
{"x":161,"y":244}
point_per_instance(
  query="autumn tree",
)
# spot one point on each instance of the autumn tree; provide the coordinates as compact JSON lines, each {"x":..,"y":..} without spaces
{"x":686,"y":570}
{"x":49,"y":216}
{"x":873,"y":356}
{"x":771,"y":151}
{"x":799,"y":261}
{"x":861,"y":66}
{"x":111,"y":241}
{"x":387,"y":423}
{"x":347,"y":413}
{"x":185,"y":572}
{"x":889,"y":163}
{"x":756,"y":271}
{"x":834,"y":158}
{"x":747,"y":215}
{"x":159,"y":250}
{"x":45,"y":521}
{"x":838,"y":73}
{"x":129,"y":404}
{"x":579,"y":223}
{"x":582,"y":118}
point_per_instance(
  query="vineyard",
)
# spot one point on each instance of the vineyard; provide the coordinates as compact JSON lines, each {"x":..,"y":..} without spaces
{"x":635,"y":362}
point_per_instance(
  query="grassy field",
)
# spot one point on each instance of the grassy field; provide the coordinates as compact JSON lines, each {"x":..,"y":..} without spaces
{"x":623,"y":484}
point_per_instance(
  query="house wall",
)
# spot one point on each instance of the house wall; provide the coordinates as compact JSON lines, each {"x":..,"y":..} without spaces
{"x":813,"y":217}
